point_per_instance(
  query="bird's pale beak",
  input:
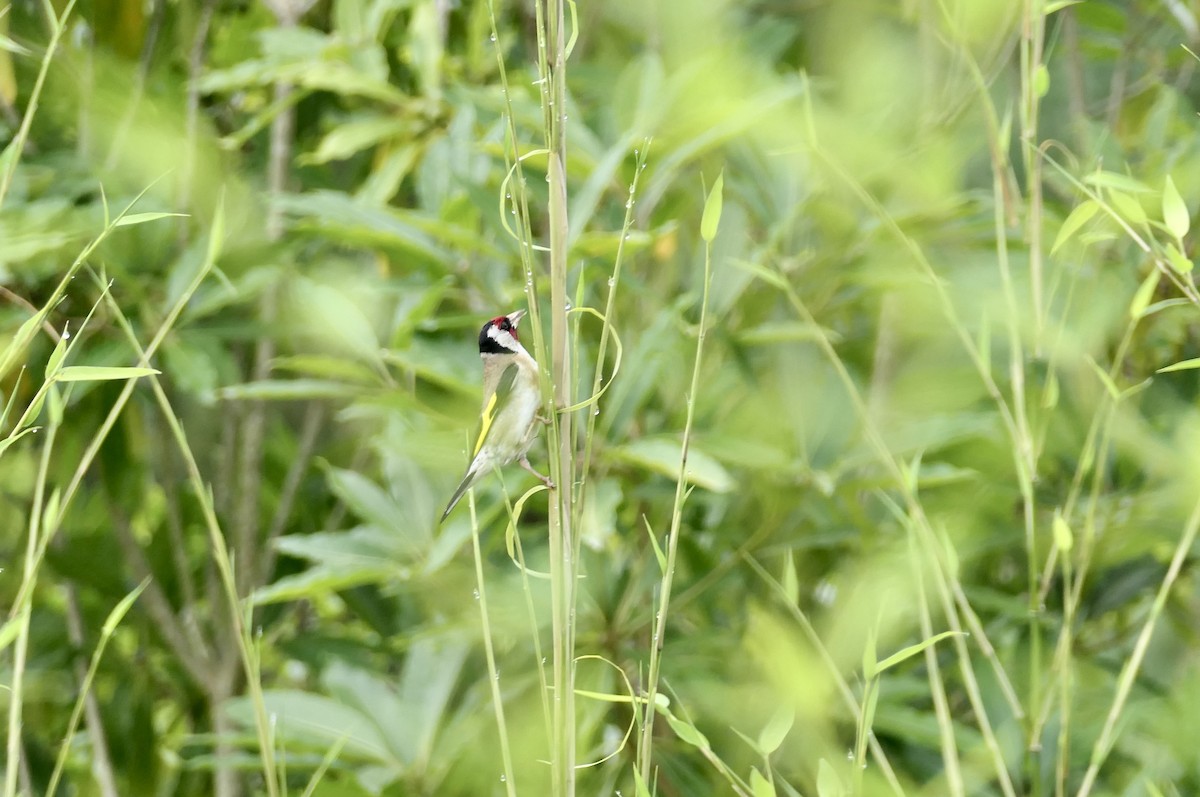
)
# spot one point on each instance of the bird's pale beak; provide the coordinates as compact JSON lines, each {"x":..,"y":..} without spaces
{"x":515,"y":317}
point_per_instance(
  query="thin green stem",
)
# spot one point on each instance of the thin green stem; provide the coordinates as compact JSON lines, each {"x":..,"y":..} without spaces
{"x":510,"y":781}
{"x":24,"y":605}
{"x":110,"y":626}
{"x":645,"y":747}
{"x":12,"y":153}
{"x":834,"y":669}
{"x":220,"y":551}
{"x":1133,"y":664}
{"x":937,"y":687}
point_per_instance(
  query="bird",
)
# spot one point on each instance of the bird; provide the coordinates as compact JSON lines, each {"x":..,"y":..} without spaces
{"x":511,"y":398}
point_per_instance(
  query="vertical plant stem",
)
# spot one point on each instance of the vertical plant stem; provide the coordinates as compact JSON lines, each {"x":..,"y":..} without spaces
{"x":33,"y":546}
{"x":510,"y":782}
{"x":937,"y":686}
{"x":102,"y":768}
{"x":195,"y":63}
{"x":220,"y":684}
{"x":614,"y":282}
{"x":1066,"y":641}
{"x":1133,"y":665}
{"x":645,"y":745}
{"x":1032,"y":76}
{"x":1033,"y":31}
{"x":253,"y":427}
{"x":8,"y":165}
{"x":562,"y":545}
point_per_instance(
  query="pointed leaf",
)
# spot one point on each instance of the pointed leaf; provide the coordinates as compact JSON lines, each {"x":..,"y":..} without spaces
{"x":658,"y":551}
{"x":760,"y":786}
{"x":828,"y":782}
{"x":869,"y":660}
{"x":1078,"y":217}
{"x":99,"y":373}
{"x":1175,"y":212}
{"x":712,"y":210}
{"x":776,"y":729}
{"x":8,"y":632}
{"x":661,"y":455}
{"x":1128,"y":207}
{"x":1105,"y":379}
{"x":1182,"y":365}
{"x":1122,"y":182}
{"x":913,"y":650}
{"x":1063,"y":537}
{"x":687,"y":732}
{"x":57,"y":356}
{"x":1178,"y":260}
{"x":141,"y":218}
{"x":1145,"y":292}
{"x":640,"y":784}
{"x":1041,"y":81}
{"x":122,"y":608}
{"x":791,"y":585}
{"x":12,"y":438}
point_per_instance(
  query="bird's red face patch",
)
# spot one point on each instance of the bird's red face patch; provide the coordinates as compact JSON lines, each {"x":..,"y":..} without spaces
{"x":504,"y":325}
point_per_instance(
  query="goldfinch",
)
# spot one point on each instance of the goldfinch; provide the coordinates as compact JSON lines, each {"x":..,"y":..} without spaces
{"x":511,"y":398}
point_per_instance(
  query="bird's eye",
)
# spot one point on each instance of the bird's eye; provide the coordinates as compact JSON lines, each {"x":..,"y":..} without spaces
{"x":506,"y":325}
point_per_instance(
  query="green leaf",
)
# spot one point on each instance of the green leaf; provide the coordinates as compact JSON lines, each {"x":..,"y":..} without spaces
{"x":351,"y":137}
{"x":11,"y":46}
{"x":1128,"y":207}
{"x":318,"y":582}
{"x":57,"y":356}
{"x":760,"y":786}
{"x":764,"y":273}
{"x":791,"y":584}
{"x":303,"y":719}
{"x":776,"y":729}
{"x":712,"y":210}
{"x":658,"y":551}
{"x":337,"y":215}
{"x":1145,"y":292}
{"x":1182,"y":365}
{"x":688,"y":732}
{"x":1063,"y":538}
{"x":9,"y":631}
{"x":1121,"y":182}
{"x":50,"y":512}
{"x":130,"y":219}
{"x":122,"y":608}
{"x":100,"y":373}
{"x":1078,"y":217}
{"x":786,"y":332}
{"x":870,"y":703}
{"x":1105,"y":379}
{"x":661,"y":455}
{"x":912,"y":650}
{"x":640,"y":783}
{"x":380,"y":509}
{"x":828,"y":782}
{"x":1175,"y":212}
{"x":14,"y":437}
{"x":1041,"y":80}
{"x":869,"y":658}
{"x":289,"y":390}
{"x":1178,"y":260}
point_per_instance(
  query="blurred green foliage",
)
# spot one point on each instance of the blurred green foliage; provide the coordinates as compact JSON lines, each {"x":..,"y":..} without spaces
{"x":948,"y":272}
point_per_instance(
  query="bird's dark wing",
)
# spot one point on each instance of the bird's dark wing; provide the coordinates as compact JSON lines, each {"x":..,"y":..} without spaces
{"x":495,"y":405}
{"x":491,"y":410}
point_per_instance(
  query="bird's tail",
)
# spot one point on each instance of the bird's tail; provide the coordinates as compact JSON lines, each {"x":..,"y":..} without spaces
{"x":465,"y":485}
